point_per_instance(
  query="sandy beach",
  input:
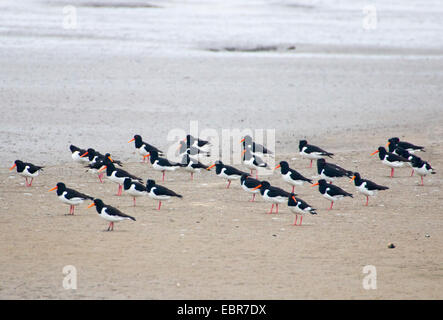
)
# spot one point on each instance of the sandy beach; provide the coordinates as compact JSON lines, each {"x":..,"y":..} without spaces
{"x":94,"y":90}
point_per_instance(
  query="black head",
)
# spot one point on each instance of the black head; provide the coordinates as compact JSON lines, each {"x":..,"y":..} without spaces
{"x":394,"y":140}
{"x":61,"y":186}
{"x":264,"y":185}
{"x":322,"y":182}
{"x":137,"y":137}
{"x":190,"y":138}
{"x":99,"y":204}
{"x":302,"y":143}
{"x":149,"y":184}
{"x":321,"y":162}
{"x":292,"y":201}
{"x":244,"y":176}
{"x":247,"y":139}
{"x":153,"y":155}
{"x":19,"y":164}
{"x":127,"y":183}
{"x":284,"y":165}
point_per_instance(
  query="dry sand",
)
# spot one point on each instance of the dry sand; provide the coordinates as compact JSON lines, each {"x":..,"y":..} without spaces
{"x":214,"y":244}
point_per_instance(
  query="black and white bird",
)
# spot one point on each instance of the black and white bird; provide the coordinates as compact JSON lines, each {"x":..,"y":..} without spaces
{"x":291,"y":176}
{"x":143,"y":147}
{"x":94,"y":168}
{"x":134,"y":189}
{"x":249,"y":185}
{"x":70,"y":196}
{"x":109,"y":213}
{"x":76,"y":153}
{"x":331,"y":171}
{"x":160,"y":193}
{"x":192,"y":165}
{"x":299,"y":206}
{"x":411,"y":148}
{"x":253,"y":146}
{"x":183,"y":149}
{"x":422,"y":168}
{"x":312,"y":152}
{"x":117,"y":175}
{"x":390,"y":159}
{"x":403,"y":153}
{"x":331,"y":192}
{"x":163,"y":164}
{"x":95,"y":156}
{"x":272,"y":194}
{"x":27,"y":170}
{"x":226,"y":172}
{"x":366,"y":187}
{"x":191,"y":141}
{"x":253,"y":162}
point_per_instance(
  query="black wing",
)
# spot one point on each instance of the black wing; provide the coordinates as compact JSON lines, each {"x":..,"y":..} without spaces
{"x":115,"y":212}
{"x":160,"y":190}
{"x":120,"y":173}
{"x":275,"y":191}
{"x":336,"y":191}
{"x":71,"y":193}
{"x":251,"y":182}
{"x":373,"y":186}
{"x":233,"y":171}
{"x":295,"y":175}
{"x":311,"y":148}
{"x":33,"y":168}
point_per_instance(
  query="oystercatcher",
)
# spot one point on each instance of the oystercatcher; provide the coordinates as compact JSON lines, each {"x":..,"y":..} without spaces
{"x":312,"y":152}
{"x":192,"y":165}
{"x":197,"y":142}
{"x":76,"y":153}
{"x":117,"y":175}
{"x":70,"y":196}
{"x":403,"y":153}
{"x":390,"y":159}
{"x":162,"y":164}
{"x":253,"y":162}
{"x":255,"y":147}
{"x":331,"y":171}
{"x":331,"y":192}
{"x":27,"y":170}
{"x":134,"y":188}
{"x":226,"y":172}
{"x":422,"y":168}
{"x":366,"y":187}
{"x":191,"y":150}
{"x":144,"y":148}
{"x":411,"y":148}
{"x":109,"y":213}
{"x":95,"y":156}
{"x":249,"y":185}
{"x":291,"y":176}
{"x":298,"y":206}
{"x":159,"y":192}
{"x":272,"y":194}
{"x":94,"y":169}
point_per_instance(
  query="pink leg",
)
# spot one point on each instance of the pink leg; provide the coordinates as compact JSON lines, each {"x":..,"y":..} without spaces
{"x":134,"y":200}
{"x":367,"y":201}
{"x":30,"y":183}
{"x":229,"y":183}
{"x":272,"y":208}
{"x":73,"y":209}
{"x":392,"y":172}
{"x":310,"y":165}
{"x":112,"y":226}
{"x":253,"y":197}
{"x":159,"y":205}
{"x":277,"y":208}
{"x":163,"y":179}
{"x":412,"y":173}
{"x":192,"y":176}
{"x":332,"y":203}
{"x":120,"y":188}
{"x":295,"y":222}
{"x":100,"y":176}
{"x":301,"y":219}
{"x":293,"y":188}
{"x":422,"y":181}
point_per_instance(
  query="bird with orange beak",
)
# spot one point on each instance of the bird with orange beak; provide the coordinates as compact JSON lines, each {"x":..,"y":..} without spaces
{"x":70,"y":196}
{"x":143,"y":148}
{"x":27,"y":170}
{"x":299,"y":206}
{"x":366,"y":187}
{"x":272,"y":194}
{"x":226,"y":172}
{"x":109,"y":213}
{"x":331,"y":192}
{"x":390,"y":159}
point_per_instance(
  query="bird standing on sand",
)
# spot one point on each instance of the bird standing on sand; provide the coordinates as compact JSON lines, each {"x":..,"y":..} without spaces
{"x":390,"y":159}
{"x":272,"y":194}
{"x":109,"y":213}
{"x":366,"y":187}
{"x":298,"y":206}
{"x":249,"y":185}
{"x":226,"y":172}
{"x":331,"y":171}
{"x":70,"y":196}
{"x":312,"y":152}
{"x":95,"y":156}
{"x":192,"y":165}
{"x":331,"y":192}
{"x":27,"y":170}
{"x":95,"y":167}
{"x":411,"y":148}
{"x":291,"y":176}
{"x":196,"y":142}
{"x":183,"y":149}
{"x":253,"y":146}
{"x":134,"y":188}
{"x":160,"y":193}
{"x":117,"y":175}
{"x":144,"y":148}
{"x":163,"y":164}
{"x":76,"y":153}
{"x":422,"y":168}
{"x":252,"y":161}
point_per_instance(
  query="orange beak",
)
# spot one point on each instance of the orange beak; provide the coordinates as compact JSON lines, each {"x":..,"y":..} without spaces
{"x":277,"y":167}
{"x":84,"y":154}
{"x":101,"y":169}
{"x":110,"y":159}
{"x":243,"y":152}
{"x":13,"y":166}
{"x":146,"y":155}
{"x":374,"y":152}
{"x":315,"y":184}
{"x":242,"y":140}
{"x":293,"y":198}
{"x":257,"y":187}
{"x":91,"y":205}
{"x":210,"y":167}
{"x":55,"y":188}
{"x":387,"y":145}
{"x":352,"y":179}
{"x":131,"y":140}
